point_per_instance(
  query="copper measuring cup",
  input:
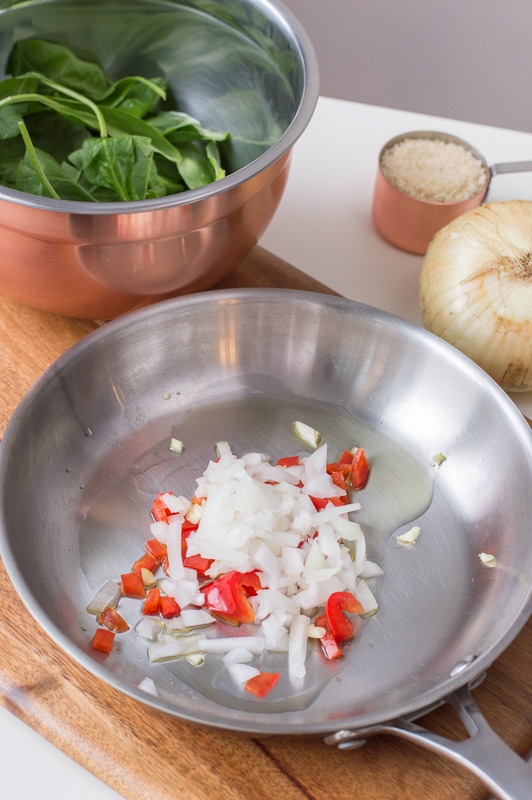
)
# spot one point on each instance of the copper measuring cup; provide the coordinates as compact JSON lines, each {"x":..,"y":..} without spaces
{"x":409,"y":223}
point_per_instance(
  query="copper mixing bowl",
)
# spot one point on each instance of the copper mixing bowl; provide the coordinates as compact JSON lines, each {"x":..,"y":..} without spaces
{"x":245,"y":66}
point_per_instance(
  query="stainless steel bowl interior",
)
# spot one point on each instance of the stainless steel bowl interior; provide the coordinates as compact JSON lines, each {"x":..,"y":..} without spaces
{"x":88,"y":448}
{"x":236,"y":65}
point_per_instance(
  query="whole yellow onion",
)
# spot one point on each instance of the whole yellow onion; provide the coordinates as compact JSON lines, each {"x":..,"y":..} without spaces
{"x":475,"y":289}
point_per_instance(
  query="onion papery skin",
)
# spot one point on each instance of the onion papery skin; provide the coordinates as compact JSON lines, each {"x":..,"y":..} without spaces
{"x":475,"y":289}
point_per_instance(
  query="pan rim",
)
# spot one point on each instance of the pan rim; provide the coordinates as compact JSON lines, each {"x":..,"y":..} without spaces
{"x":253,"y":723}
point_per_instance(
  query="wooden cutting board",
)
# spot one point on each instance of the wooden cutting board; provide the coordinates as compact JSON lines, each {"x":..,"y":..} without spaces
{"x":142,"y":753}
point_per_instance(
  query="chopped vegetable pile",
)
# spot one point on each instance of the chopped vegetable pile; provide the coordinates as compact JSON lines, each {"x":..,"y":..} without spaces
{"x":69,"y":132}
{"x":265,"y":545}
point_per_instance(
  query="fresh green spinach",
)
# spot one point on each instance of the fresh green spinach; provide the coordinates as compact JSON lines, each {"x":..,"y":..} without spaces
{"x":69,"y":132}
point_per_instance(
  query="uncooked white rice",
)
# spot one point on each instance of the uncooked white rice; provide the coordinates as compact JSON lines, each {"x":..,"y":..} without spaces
{"x":433,"y":170}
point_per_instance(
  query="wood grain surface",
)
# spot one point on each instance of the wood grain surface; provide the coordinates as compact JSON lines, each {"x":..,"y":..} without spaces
{"x":142,"y":753}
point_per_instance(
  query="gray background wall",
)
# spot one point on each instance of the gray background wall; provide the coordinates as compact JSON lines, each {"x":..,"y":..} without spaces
{"x":464,"y":59}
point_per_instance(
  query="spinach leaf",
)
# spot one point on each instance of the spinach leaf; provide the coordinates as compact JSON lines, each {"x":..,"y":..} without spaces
{"x":213,"y":154}
{"x":9,"y":122}
{"x":120,"y":122}
{"x":59,"y":64}
{"x":68,"y":131}
{"x":39,"y":173}
{"x":135,"y":95}
{"x":11,"y":115}
{"x":79,"y":109}
{"x":168,"y":176}
{"x":122,"y":164}
{"x":11,"y":153}
{"x":198,"y":168}
{"x":68,"y":135}
{"x":180,"y":127}
{"x":12,"y":86}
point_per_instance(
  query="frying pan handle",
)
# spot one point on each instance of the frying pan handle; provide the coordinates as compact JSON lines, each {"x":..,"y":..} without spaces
{"x":484,"y":754}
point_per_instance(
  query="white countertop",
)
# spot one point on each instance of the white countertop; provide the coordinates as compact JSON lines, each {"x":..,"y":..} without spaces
{"x":324,"y":228}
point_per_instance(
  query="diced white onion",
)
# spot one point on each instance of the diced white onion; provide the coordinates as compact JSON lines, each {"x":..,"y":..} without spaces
{"x":196,"y":617}
{"x":193,"y":514}
{"x":187,"y":593}
{"x":297,"y":646}
{"x":252,"y":515}
{"x":147,"y":685}
{"x":409,"y":538}
{"x":176,"y":626}
{"x":366,"y":598}
{"x":176,"y":446}
{"x":307,"y":434}
{"x":148,"y":628}
{"x":169,"y":647}
{"x":176,"y":504}
{"x":147,"y":576}
{"x":275,"y":633}
{"x":331,"y":512}
{"x":195,"y":659}
{"x":159,"y":530}
{"x":255,"y":644}
{"x":371,"y":570}
{"x":488,"y":559}
{"x":241,"y":673}
{"x":175,"y":553}
{"x":348,"y":530}
{"x":238,"y":655}
{"x":107,"y":596}
{"x":222,"y":448}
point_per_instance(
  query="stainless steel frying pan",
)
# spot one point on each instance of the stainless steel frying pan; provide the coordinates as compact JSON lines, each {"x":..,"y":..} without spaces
{"x":88,"y":448}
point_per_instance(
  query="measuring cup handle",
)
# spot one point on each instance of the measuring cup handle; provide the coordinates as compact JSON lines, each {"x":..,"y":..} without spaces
{"x":512,"y":166}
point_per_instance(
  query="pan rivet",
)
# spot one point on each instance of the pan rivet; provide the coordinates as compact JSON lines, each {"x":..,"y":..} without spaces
{"x":462,"y":665}
{"x":352,"y":744}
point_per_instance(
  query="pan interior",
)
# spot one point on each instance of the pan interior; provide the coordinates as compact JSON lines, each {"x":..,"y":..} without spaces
{"x":88,"y":448}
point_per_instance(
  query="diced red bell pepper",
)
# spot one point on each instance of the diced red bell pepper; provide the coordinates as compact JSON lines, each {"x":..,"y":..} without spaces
{"x":340,"y":466}
{"x":103,"y":640}
{"x":337,"y":622}
{"x":354,"y":466}
{"x":346,"y":459}
{"x":186,"y":529}
{"x":168,"y":607}
{"x":288,"y":461}
{"x":198,"y":563}
{"x":359,"y":469}
{"x":262,"y":683}
{"x":321,"y":502}
{"x":329,"y":645}
{"x":227,"y":596}
{"x":159,"y":509}
{"x":331,"y":648}
{"x":338,"y":478}
{"x":112,"y":620}
{"x":188,"y":526}
{"x":132,"y":585}
{"x":151,"y":603}
{"x":157,"y":549}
